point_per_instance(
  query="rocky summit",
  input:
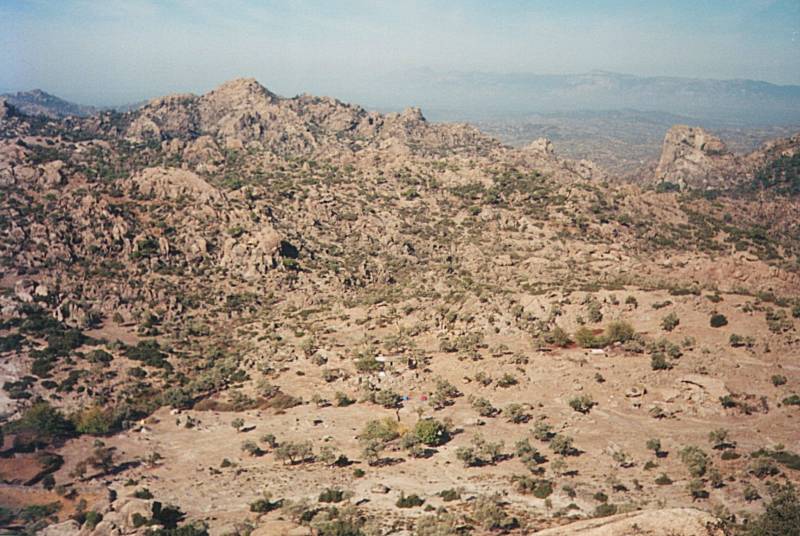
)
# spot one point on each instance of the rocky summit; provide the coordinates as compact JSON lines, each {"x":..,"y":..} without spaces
{"x":239,"y":313}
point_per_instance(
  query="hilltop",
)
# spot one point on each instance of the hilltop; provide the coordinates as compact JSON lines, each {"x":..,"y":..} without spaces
{"x":241,"y":313}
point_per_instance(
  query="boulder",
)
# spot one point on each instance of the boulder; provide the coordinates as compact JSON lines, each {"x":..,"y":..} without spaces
{"x":66,"y":528}
{"x":171,"y":183}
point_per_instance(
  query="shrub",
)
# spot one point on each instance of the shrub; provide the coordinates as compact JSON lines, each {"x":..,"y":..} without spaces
{"x":658,"y":361}
{"x":515,"y":413}
{"x":100,"y":356}
{"x":92,"y":518}
{"x":507,"y":380}
{"x":697,"y":489}
{"x":663,"y":480}
{"x":467,"y":456}
{"x":587,"y":339}
{"x":540,"y":488}
{"x":605,"y":510}
{"x":542,"y":431}
{"x":264,"y":505}
{"x":528,"y":455}
{"x":763,"y":467}
{"x":148,"y":352}
{"x":619,"y":331}
{"x":792,"y":400}
{"x":143,"y":493}
{"x":594,"y":311}
{"x":718,"y":320}
{"x":487,"y":451}
{"x":582,"y":404}
{"x":387,"y":398}
{"x":562,"y":445}
{"x":331,"y":495}
{"x":409,"y":501}
{"x":342,"y":400}
{"x":488,"y":511}
{"x":670,"y":322}
{"x":448,"y":495}
{"x":383,"y":430}
{"x":778,"y":380}
{"x":40,"y":425}
{"x":750,"y":494}
{"x":654,"y":445}
{"x":94,"y":421}
{"x":484,"y":407}
{"x":558,"y":337}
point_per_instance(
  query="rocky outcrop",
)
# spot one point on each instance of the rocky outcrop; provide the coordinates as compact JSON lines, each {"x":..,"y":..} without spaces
{"x":668,"y":522}
{"x":5,"y":109}
{"x":171,"y":183}
{"x":693,"y":158}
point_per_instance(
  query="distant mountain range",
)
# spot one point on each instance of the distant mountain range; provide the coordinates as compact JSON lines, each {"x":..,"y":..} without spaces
{"x":475,"y":96}
{"x":38,"y":102}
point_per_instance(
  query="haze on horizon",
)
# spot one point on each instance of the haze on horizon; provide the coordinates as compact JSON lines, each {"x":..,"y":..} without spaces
{"x":114,"y":52}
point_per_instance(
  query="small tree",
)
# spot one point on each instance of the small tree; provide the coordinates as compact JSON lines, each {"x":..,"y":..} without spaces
{"x":695,"y":459}
{"x":719,"y":439}
{"x":251,"y":448}
{"x":718,"y":320}
{"x":431,"y":432}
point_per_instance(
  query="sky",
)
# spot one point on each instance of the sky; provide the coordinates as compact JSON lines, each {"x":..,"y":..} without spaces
{"x":108,"y":52}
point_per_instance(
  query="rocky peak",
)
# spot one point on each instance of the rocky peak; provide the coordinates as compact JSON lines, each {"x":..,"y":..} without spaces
{"x":541,"y":146}
{"x":412,"y":114}
{"x":695,"y":139}
{"x":241,"y":91}
{"x":692,"y":157}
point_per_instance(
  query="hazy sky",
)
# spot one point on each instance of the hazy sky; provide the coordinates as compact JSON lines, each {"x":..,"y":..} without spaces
{"x":118,"y":51}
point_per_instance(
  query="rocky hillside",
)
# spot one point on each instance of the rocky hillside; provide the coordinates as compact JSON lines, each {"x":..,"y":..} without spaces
{"x":220,"y":293}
